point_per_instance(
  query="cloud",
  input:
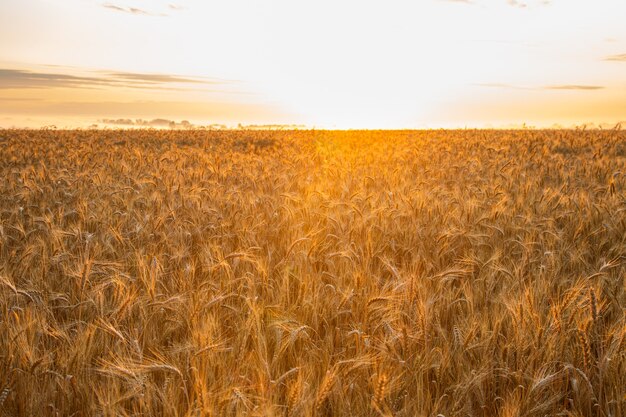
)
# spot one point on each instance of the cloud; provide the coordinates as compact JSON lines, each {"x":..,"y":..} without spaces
{"x":549,"y":87}
{"x":574,"y":87}
{"x":175,"y":7}
{"x":130,"y":10}
{"x":13,"y":78}
{"x":156,"y":78}
{"x":619,"y":58}
{"x":22,"y":79}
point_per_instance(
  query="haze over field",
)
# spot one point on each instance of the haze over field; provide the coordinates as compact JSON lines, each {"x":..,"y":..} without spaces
{"x":349,"y":64}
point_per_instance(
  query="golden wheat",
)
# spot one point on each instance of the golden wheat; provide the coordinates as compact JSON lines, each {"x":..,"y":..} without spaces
{"x":301,"y":273}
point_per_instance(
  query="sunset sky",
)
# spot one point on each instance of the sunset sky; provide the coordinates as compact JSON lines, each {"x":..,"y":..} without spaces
{"x":324,"y":63}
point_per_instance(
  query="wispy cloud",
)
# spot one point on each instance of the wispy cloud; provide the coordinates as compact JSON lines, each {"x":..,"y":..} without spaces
{"x":619,"y":57}
{"x":22,"y":79}
{"x":157,"y":78}
{"x":574,"y":87}
{"x":15,"y":78}
{"x":130,"y":10}
{"x":580,"y":87}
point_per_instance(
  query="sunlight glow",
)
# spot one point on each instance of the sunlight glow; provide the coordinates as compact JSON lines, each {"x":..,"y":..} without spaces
{"x":327,"y":64}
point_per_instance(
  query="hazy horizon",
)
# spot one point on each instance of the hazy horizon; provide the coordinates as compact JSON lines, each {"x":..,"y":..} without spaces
{"x":439,"y":63}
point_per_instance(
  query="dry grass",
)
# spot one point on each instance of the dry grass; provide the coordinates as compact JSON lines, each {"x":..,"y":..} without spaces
{"x":461,"y":273}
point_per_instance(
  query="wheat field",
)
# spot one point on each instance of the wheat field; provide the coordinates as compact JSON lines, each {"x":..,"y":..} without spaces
{"x":312,"y":273}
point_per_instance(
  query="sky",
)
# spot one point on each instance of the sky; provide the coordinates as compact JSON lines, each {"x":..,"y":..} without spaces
{"x":323,"y":63}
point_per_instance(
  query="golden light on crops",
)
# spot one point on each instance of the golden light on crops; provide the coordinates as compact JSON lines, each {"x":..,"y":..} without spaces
{"x":312,"y":273}
{"x":255,"y":224}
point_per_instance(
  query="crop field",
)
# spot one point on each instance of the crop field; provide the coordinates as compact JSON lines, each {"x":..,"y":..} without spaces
{"x":312,"y":273}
